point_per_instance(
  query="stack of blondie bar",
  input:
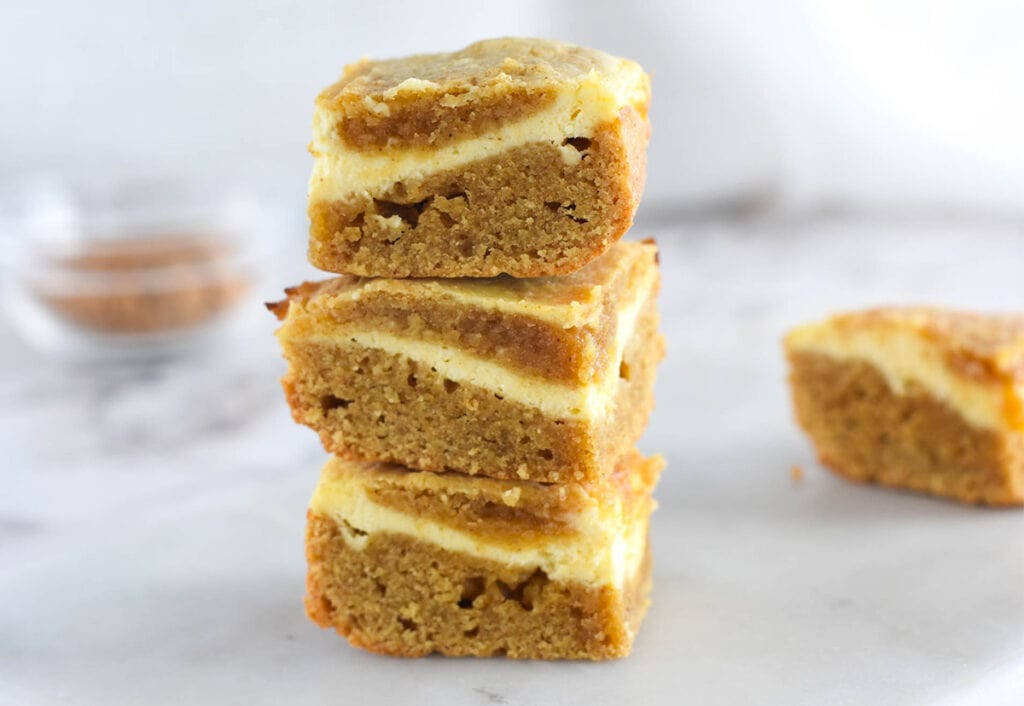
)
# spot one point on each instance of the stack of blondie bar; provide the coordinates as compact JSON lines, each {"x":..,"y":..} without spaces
{"x":482,"y":368}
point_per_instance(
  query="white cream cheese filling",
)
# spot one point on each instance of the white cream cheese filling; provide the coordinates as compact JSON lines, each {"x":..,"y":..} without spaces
{"x":605,"y":550}
{"x":485,"y":296}
{"x":482,"y":297}
{"x":338,"y":173}
{"x":589,"y":402}
{"x":905,"y":357}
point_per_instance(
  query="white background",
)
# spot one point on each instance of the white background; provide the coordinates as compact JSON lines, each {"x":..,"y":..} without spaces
{"x":793,"y":104}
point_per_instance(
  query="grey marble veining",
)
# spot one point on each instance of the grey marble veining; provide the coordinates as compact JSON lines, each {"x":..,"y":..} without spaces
{"x":151,"y":517}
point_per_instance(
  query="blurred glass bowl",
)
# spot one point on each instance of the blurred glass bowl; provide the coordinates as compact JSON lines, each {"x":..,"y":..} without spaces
{"x":128,"y":268}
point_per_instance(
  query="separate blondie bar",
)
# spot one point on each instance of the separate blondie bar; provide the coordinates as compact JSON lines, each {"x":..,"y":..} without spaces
{"x":408,"y":563}
{"x":517,"y":156}
{"x":916,"y":398}
{"x":546,"y":379}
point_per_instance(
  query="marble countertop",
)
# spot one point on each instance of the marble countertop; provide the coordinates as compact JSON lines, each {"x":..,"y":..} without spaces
{"x":151,"y":515}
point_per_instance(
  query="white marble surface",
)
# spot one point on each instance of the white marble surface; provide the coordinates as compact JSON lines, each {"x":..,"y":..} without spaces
{"x":151,"y":517}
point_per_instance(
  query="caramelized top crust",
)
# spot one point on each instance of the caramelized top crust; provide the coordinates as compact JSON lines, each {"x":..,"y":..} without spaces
{"x":512,"y":511}
{"x":434,"y":99}
{"x":560,"y":328}
{"x":979,"y":346}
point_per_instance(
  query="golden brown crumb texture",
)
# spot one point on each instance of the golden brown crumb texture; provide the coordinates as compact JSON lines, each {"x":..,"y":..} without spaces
{"x":372,"y":405}
{"x":405,"y":597}
{"x":524,"y":212}
{"x":866,"y":432}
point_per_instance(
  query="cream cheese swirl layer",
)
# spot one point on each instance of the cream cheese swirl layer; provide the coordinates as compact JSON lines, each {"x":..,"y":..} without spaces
{"x":578,"y":111}
{"x":581,"y":402}
{"x":605,"y":550}
{"x":905,"y":358}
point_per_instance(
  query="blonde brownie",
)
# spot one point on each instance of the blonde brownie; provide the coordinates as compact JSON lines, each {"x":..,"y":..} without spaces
{"x":408,"y":563}
{"x":917,"y":398}
{"x":517,"y":156}
{"x":514,"y":378}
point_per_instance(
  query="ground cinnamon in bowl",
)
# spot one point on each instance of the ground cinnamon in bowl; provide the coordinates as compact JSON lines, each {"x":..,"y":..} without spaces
{"x":143,"y":285}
